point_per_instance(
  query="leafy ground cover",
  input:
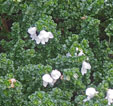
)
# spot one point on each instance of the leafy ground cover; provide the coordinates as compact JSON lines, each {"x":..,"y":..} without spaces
{"x":52,"y":51}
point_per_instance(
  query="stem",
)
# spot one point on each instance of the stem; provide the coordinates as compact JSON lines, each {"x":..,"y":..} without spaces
{"x":109,"y":40}
{"x":4,"y":22}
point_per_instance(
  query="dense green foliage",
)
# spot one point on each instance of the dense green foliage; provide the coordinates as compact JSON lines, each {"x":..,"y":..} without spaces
{"x":83,"y":24}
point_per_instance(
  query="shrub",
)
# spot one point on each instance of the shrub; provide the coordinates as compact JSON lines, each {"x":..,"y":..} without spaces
{"x":82,"y":33}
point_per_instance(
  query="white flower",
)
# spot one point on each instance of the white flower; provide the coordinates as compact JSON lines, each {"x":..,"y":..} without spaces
{"x":90,"y":92}
{"x":67,"y":78}
{"x":34,"y":37}
{"x":76,"y":54}
{"x":84,"y":68}
{"x":77,"y":48}
{"x":83,"y":71}
{"x":43,"y":34}
{"x":43,"y":41}
{"x":32,"y":30}
{"x":43,"y":37}
{"x":17,"y":0}
{"x":68,"y":55}
{"x":87,"y":58}
{"x":55,"y":74}
{"x":86,"y":65}
{"x":105,"y":0}
{"x":50,"y":35}
{"x":47,"y":80}
{"x":110,"y":96}
{"x":37,"y":40}
{"x":75,"y":75}
{"x":81,"y":53}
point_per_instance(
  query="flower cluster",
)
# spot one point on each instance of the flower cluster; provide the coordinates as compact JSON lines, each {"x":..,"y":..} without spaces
{"x":52,"y":78}
{"x":41,"y":37}
{"x":91,"y":92}
{"x":79,"y":52}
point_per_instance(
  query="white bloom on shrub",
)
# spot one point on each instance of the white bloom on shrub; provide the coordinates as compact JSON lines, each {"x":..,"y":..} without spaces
{"x":105,"y":0}
{"x":67,"y":78}
{"x":109,"y":96}
{"x":81,"y":53}
{"x":55,"y":74}
{"x":47,"y":80}
{"x":75,"y":75}
{"x":90,"y":92}
{"x":84,"y":68}
{"x":68,"y":55}
{"x":17,"y":0}
{"x":76,"y":54}
{"x":37,"y":40}
{"x":32,"y":32}
{"x":77,"y":49}
{"x":50,"y":35}
{"x":87,"y":58}
{"x":43,"y":37}
{"x":34,"y":37}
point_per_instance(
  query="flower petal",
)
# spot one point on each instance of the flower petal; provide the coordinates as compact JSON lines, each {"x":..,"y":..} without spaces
{"x":50,"y":35}
{"x":32,"y":30}
{"x":45,"y":83}
{"x":55,"y":74}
